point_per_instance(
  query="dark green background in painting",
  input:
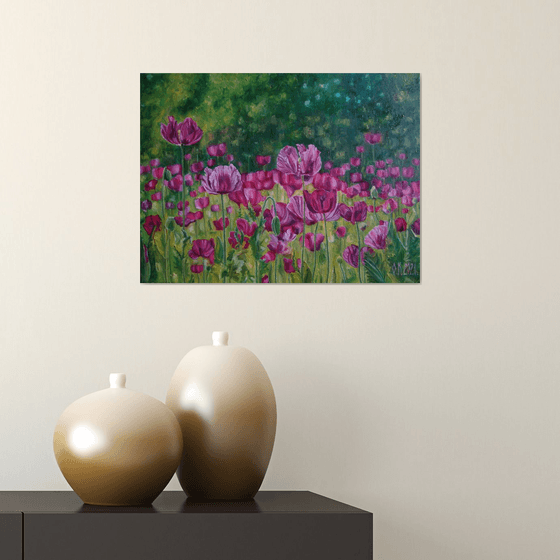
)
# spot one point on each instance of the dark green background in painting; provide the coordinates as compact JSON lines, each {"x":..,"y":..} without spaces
{"x":261,"y":113}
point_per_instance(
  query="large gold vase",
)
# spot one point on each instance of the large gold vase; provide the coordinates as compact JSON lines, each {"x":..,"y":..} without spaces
{"x":225,"y":405}
{"x":117,"y":447}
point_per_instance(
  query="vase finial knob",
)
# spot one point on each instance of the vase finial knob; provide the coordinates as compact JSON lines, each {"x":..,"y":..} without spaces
{"x":117,"y":380}
{"x":220,"y":338}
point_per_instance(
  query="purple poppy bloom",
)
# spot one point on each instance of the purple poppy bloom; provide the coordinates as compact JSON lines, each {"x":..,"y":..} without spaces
{"x":373,"y":138}
{"x":174,"y":169}
{"x":289,"y":266}
{"x":304,"y":162}
{"x":377,"y":237}
{"x":394,"y":171}
{"x":380,"y":164}
{"x":355,"y":161}
{"x":170,"y":205}
{"x":353,"y":214}
{"x":211,"y":162}
{"x":415,"y":161}
{"x":407,"y":200}
{"x":197,"y":166}
{"x":246,"y":228}
{"x":185,"y":133}
{"x":152,"y":223}
{"x":402,"y":156}
{"x":150,"y":185}
{"x":340,"y":231}
{"x":144,"y":169}
{"x":223,"y":179}
{"x":203,"y":248}
{"x":370,"y":170}
{"x":219,"y":224}
{"x":156,"y":196}
{"x":355,"y":177}
{"x":215,"y":207}
{"x":188,"y":156}
{"x":400,"y":224}
{"x":350,"y":254}
{"x":415,"y":227}
{"x":408,"y":172}
{"x":202,"y":202}
{"x":157,"y":172}
{"x":360,"y":149}
{"x":146,"y":205}
{"x":154,"y":162}
{"x":321,"y":201}
{"x":230,"y":158}
{"x":263,"y":160}
{"x":313,"y":242}
{"x":217,"y":150}
{"x":389,"y":206}
{"x":328,"y":165}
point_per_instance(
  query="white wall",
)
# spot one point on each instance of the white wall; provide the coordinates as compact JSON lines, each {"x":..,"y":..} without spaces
{"x":435,"y":406}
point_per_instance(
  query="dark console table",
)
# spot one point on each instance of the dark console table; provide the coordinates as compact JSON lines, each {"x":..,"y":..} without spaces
{"x":273,"y":526}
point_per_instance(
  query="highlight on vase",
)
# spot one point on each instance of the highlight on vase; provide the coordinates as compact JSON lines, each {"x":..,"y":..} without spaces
{"x":280,"y":178}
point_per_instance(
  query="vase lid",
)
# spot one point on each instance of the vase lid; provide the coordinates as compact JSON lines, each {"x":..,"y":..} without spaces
{"x":220,"y":338}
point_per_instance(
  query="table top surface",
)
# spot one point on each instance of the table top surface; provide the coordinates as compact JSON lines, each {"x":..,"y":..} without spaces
{"x":177,"y":502}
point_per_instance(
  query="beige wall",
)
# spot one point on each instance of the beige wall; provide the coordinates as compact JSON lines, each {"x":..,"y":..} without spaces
{"x":435,"y":406}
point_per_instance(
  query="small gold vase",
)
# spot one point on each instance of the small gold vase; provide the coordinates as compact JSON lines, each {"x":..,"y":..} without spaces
{"x":225,"y":405}
{"x":117,"y":447}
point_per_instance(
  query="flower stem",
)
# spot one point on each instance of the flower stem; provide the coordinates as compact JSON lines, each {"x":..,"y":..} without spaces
{"x":315,"y":257}
{"x":303,"y":232}
{"x":164,"y":232}
{"x":224,"y":230}
{"x":326,"y":245}
{"x":359,"y":253}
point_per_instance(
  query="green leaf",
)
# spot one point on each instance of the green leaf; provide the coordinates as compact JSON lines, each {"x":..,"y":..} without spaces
{"x":276,"y":225}
{"x":307,"y":274}
{"x":373,"y":274}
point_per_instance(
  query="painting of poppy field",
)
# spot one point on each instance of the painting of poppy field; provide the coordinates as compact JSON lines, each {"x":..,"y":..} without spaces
{"x":280,"y":178}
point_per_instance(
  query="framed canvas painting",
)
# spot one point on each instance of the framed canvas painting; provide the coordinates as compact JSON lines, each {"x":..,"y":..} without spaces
{"x":280,"y":178}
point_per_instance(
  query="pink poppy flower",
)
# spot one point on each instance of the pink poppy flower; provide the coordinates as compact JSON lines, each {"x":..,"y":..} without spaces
{"x":320,"y":201}
{"x":180,"y":205}
{"x":223,"y":179}
{"x":217,"y":150}
{"x":188,"y":156}
{"x":219,"y":224}
{"x":246,"y":228}
{"x":355,"y":177}
{"x":355,"y":161}
{"x":185,"y":133}
{"x":328,"y":165}
{"x":353,"y":214}
{"x":152,"y":223}
{"x":407,"y":201}
{"x":370,"y":170}
{"x":408,"y":172}
{"x":360,"y":149}
{"x":405,"y":210}
{"x":150,"y":185}
{"x":371,"y":208}
{"x":197,"y":166}
{"x":144,"y":169}
{"x":174,"y":169}
{"x":263,"y":160}
{"x":400,"y":224}
{"x":377,"y":237}
{"x":197,"y":268}
{"x":394,"y":172}
{"x":169,"y":205}
{"x":202,"y":202}
{"x":203,"y":248}
{"x":312,"y":241}
{"x":211,"y":162}
{"x":326,"y":182}
{"x":215,"y":207}
{"x":189,"y":180}
{"x":265,"y":279}
{"x":154,"y":162}
{"x":350,"y":254}
{"x":373,"y":138}
{"x":156,"y":196}
{"x":340,"y":231}
{"x":157,"y":172}
{"x":229,"y":158}
{"x":415,"y":227}
{"x":176,"y":184}
{"x":303,"y":162}
{"x":415,"y":161}
{"x":389,"y":161}
{"x":402,"y":156}
{"x":146,"y":257}
{"x":146,"y":205}
{"x":382,"y":173}
{"x":389,"y":206}
{"x":289,"y":266}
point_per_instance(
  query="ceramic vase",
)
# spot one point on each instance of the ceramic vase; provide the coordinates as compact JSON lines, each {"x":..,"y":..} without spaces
{"x":117,"y":447}
{"x":225,"y":405}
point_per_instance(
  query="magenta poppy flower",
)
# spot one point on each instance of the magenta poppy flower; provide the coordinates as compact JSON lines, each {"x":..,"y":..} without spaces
{"x":180,"y":205}
{"x":350,"y":254}
{"x":215,"y":207}
{"x":326,"y":182}
{"x":415,"y":161}
{"x":185,"y":133}
{"x":400,"y":224}
{"x":394,"y":171}
{"x":263,"y":160}
{"x":219,"y":224}
{"x":353,"y":214}
{"x":289,"y":266}
{"x":407,"y":201}
{"x":355,"y":177}
{"x":389,"y":161}
{"x":360,"y":149}
{"x":189,"y":180}
{"x":223,"y":179}
{"x":146,"y":205}
{"x":355,"y":161}
{"x":377,"y":237}
{"x":380,"y":164}
{"x":144,"y":169}
{"x":230,"y":158}
{"x":328,"y":165}
{"x":152,"y":223}
{"x":217,"y":150}
{"x":202,"y":202}
{"x":313,"y":242}
{"x":188,"y":156}
{"x":415,"y":227}
{"x":176,"y":184}
{"x":246,"y":228}
{"x":154,"y":162}
{"x":203,"y":248}
{"x":265,"y":280}
{"x":156,"y":196}
{"x":303,"y":162}
{"x":150,"y":185}
{"x":157,"y":172}
{"x":405,"y":210}
{"x":197,"y":166}
{"x":408,"y":172}
{"x":402,"y":156}
{"x":174,"y":169}
{"x":373,"y":138}
{"x":320,"y":201}
{"x":340,"y":231}
{"x":382,"y":173}
{"x":370,"y":170}
{"x":197,"y":268}
{"x":170,"y":205}
{"x":146,"y":257}
{"x":389,"y":206}
{"x":211,"y":162}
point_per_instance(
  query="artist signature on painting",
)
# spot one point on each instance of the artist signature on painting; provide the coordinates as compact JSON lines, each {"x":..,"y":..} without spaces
{"x":405,"y":269}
